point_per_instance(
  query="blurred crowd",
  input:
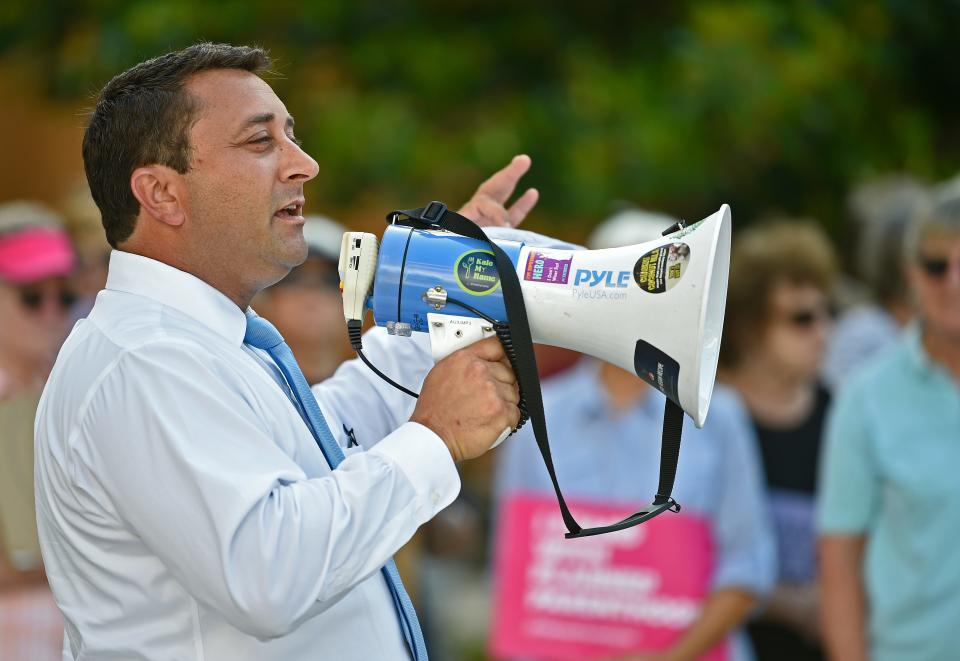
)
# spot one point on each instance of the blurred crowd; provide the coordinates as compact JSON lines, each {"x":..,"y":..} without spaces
{"x":822,"y":483}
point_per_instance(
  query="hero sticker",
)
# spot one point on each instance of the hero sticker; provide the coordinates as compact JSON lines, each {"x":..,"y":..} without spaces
{"x":660,"y":269}
{"x":476,"y":272}
{"x":542,"y":267}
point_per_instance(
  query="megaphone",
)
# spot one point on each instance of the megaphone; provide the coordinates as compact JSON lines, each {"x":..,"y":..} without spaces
{"x":654,"y":308}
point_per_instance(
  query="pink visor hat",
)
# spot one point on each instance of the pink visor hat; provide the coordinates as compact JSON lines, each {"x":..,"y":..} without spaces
{"x":35,"y":253}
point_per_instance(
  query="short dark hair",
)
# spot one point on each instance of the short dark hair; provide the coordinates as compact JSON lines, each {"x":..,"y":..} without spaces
{"x":142,"y":117}
{"x":774,"y":251}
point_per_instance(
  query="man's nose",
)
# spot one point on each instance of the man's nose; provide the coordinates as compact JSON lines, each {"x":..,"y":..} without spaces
{"x":298,"y":165}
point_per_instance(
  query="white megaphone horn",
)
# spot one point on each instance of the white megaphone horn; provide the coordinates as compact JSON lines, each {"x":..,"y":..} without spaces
{"x":654,"y":308}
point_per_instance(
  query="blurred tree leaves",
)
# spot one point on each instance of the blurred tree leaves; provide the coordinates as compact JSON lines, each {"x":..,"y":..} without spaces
{"x":767,"y":105}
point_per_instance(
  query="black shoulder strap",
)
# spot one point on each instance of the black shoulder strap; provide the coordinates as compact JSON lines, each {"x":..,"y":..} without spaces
{"x":436,"y":216}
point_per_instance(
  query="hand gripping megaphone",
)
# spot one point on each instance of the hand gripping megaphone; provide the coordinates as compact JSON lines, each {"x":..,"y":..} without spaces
{"x":654,"y":308}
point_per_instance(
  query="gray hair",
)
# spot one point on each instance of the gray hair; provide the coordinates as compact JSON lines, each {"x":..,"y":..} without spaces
{"x":939,"y":218}
{"x":882,"y":208}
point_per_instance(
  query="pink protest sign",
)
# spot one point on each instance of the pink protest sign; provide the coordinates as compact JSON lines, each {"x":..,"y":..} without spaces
{"x":601,"y":597}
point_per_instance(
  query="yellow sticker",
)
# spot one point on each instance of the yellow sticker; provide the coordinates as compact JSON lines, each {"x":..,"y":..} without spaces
{"x":660,"y":269}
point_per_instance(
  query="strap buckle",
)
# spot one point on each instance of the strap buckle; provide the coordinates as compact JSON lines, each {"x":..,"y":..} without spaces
{"x":430,"y":215}
{"x":433,"y":212}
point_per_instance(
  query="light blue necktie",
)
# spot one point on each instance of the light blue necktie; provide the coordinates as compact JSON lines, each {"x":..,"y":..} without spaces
{"x":263,"y":335}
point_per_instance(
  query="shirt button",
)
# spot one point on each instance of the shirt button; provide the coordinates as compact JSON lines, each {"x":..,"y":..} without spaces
{"x":435,"y":497}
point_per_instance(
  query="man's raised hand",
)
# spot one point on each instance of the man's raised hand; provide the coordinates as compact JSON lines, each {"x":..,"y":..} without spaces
{"x":488,"y":206}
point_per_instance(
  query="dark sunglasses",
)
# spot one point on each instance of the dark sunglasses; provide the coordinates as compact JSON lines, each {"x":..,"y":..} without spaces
{"x":935,"y":267}
{"x":809,"y":317}
{"x":32,"y":299}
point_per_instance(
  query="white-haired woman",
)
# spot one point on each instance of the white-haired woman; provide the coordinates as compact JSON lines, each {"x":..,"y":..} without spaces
{"x":889,"y":507}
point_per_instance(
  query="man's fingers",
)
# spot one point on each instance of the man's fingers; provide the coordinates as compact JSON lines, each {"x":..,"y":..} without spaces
{"x":509,"y":393}
{"x":487,"y":207}
{"x":491,"y":213}
{"x":501,"y":184}
{"x":515,"y":415}
{"x":488,"y":349}
{"x":524,"y":205}
{"x":502,"y":372}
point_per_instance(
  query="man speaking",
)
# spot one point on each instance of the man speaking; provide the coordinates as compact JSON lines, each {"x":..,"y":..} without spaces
{"x":195,"y":499}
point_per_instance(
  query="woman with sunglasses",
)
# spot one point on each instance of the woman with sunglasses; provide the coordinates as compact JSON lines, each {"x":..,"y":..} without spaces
{"x":35,"y":258}
{"x":775,"y":334}
{"x":889,"y":510}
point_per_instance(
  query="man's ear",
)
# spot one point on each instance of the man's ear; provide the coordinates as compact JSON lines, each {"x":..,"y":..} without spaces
{"x":161,"y":193}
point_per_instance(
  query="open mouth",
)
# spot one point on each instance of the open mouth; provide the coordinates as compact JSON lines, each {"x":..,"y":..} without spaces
{"x":291,"y":212}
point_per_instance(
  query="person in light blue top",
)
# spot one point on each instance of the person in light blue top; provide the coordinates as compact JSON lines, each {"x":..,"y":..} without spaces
{"x":604,"y":426}
{"x":889,"y":501}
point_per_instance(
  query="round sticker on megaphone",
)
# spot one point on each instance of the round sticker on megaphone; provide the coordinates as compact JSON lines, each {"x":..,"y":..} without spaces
{"x":476,"y":272}
{"x":660,"y":269}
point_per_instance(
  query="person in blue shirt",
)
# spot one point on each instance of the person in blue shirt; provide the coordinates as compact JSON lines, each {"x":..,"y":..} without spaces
{"x":605,"y":426}
{"x":889,"y":502}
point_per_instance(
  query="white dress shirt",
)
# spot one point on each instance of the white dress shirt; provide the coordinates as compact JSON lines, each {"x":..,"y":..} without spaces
{"x":184,"y":508}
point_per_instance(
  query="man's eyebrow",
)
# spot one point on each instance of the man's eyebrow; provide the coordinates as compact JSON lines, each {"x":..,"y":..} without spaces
{"x":265,"y":118}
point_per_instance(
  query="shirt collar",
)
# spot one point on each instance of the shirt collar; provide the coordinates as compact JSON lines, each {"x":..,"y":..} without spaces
{"x":917,"y":356}
{"x":142,"y":276}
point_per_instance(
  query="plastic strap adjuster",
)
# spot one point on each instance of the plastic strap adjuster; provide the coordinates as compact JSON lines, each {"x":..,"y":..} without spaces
{"x":433,"y":212}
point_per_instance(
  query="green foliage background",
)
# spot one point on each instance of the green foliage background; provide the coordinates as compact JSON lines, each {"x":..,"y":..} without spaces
{"x":768,"y":105}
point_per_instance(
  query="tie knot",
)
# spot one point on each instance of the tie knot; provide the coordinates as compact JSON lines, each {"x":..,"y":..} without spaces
{"x":261,"y":333}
